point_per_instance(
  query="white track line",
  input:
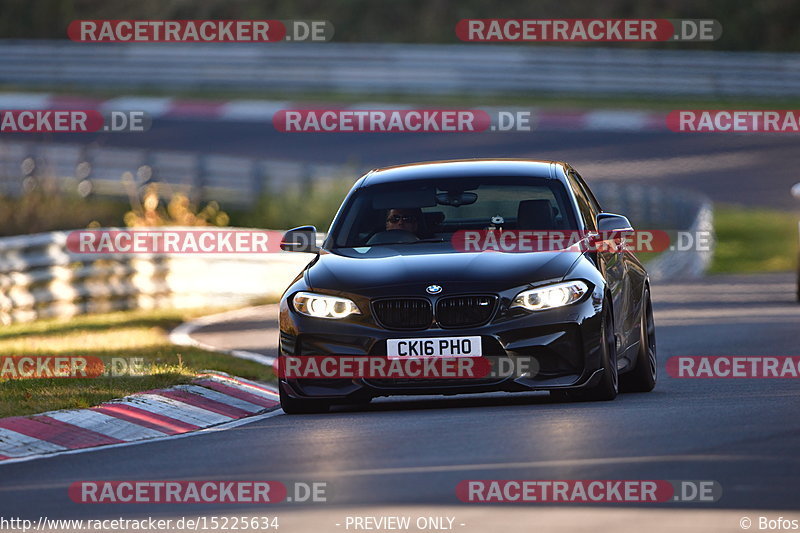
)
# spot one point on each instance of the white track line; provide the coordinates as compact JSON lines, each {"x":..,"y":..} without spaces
{"x":182,"y":336}
{"x":251,"y":110}
{"x":25,"y":100}
{"x":153,"y":106}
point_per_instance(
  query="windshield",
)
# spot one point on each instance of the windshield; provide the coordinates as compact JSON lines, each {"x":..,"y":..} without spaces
{"x":427,"y":211}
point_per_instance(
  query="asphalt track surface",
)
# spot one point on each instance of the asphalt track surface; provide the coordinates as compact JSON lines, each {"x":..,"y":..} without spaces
{"x":749,"y":169}
{"x":406,"y":455}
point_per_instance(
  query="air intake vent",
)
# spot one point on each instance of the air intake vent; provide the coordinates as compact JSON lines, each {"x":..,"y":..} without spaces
{"x":403,"y":313}
{"x":465,"y":311}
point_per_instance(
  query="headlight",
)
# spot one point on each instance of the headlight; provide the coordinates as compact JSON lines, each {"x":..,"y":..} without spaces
{"x":321,"y":306}
{"x":551,"y":296}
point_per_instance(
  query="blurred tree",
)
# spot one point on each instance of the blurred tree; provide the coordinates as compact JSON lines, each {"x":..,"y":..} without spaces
{"x":45,"y":207}
{"x":315,"y":203}
{"x":178,"y":211}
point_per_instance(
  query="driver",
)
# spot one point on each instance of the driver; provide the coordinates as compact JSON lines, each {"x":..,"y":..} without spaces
{"x":403,"y":219}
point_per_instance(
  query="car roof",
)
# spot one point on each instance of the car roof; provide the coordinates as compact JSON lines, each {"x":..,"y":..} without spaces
{"x":464,"y":168}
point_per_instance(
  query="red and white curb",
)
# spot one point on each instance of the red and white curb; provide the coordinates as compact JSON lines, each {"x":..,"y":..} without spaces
{"x":263,"y":110}
{"x":212,"y":400}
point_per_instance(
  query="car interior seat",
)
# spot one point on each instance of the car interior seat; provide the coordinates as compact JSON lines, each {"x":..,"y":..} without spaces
{"x":536,"y":215}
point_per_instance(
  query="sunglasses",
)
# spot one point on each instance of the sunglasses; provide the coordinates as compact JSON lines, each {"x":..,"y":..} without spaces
{"x":394,"y":219}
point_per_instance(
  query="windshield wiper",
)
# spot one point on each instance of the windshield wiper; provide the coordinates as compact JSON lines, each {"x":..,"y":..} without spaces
{"x":396,"y":243}
{"x":424,"y":240}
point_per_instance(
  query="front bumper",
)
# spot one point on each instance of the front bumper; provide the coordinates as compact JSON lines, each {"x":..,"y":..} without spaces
{"x":564,"y":342}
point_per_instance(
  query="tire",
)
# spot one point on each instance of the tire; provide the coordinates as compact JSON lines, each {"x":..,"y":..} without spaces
{"x":300,"y":406}
{"x":643,"y":376}
{"x":608,"y":387}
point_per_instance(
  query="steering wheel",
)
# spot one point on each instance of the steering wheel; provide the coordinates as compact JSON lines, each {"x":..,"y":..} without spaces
{"x":392,"y":236}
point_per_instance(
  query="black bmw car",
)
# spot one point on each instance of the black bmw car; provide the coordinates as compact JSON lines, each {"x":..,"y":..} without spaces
{"x":391,"y":280}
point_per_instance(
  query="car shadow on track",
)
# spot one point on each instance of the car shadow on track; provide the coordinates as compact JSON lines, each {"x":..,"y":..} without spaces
{"x":480,"y":400}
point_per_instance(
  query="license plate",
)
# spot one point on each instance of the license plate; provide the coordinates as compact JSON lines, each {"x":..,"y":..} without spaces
{"x":434,"y":347}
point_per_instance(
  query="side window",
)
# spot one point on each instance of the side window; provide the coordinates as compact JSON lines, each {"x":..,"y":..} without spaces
{"x":589,"y":194}
{"x":588,"y":213}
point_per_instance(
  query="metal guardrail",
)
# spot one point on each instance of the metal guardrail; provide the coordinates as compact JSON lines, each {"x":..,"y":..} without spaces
{"x":649,"y":207}
{"x":41,"y":278}
{"x":364,"y":68}
{"x":115,"y":171}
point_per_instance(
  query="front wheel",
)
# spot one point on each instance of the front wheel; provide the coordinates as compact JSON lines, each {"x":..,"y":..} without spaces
{"x":608,"y":387}
{"x":643,"y":376}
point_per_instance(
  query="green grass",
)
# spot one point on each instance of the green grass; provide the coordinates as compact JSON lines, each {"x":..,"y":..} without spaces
{"x":751,"y":240}
{"x":139,"y":334}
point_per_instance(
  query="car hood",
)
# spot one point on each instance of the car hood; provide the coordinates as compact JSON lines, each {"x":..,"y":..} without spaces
{"x":365,"y":270}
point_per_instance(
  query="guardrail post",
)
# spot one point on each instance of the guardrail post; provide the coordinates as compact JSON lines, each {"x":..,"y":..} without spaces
{"x":258,"y":180}
{"x":28,"y":170}
{"x":307,"y":179}
{"x":83,"y":173}
{"x":146,"y":173}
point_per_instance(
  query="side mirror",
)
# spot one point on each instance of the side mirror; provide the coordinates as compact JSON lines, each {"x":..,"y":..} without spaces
{"x":796,"y":191}
{"x":302,"y":239}
{"x":609,"y":222}
{"x":610,"y":228}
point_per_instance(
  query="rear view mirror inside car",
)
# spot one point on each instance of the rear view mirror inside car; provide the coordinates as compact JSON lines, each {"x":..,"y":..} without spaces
{"x":405,"y":199}
{"x":455,"y":198}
